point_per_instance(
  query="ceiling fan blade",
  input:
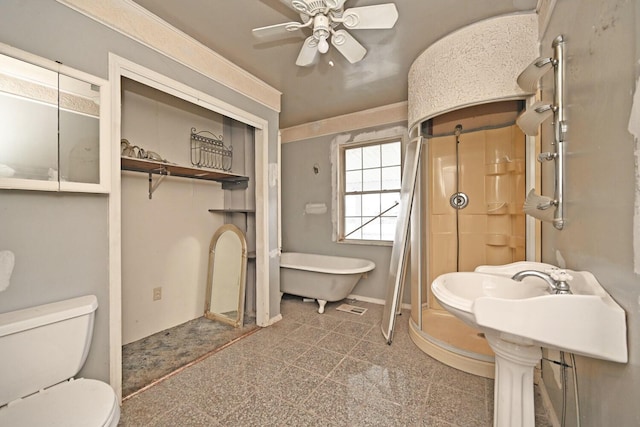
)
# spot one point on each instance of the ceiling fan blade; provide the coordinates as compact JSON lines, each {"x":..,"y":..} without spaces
{"x":299,"y":6}
{"x":335,"y":4}
{"x":276,"y":29}
{"x":309,"y":53}
{"x":349,"y":47}
{"x":378,"y":16}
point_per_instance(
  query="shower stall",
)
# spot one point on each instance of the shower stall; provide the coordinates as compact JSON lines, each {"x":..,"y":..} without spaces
{"x":468,"y":212}
{"x":475,"y":168}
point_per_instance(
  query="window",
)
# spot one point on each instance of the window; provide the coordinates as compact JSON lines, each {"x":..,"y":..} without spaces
{"x":369,"y":190}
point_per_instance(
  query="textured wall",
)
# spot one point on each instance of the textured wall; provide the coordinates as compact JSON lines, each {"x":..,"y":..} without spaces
{"x":600,"y":186}
{"x":476,"y":64}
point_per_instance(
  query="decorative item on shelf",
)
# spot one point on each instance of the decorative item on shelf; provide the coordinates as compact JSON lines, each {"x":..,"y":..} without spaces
{"x":210,"y":152}
{"x":536,"y":205}
{"x":133,"y":151}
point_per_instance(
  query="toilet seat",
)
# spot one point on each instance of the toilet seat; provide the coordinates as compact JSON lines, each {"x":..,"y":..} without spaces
{"x":81,"y":403}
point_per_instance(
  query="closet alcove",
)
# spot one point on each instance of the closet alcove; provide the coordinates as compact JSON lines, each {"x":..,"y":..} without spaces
{"x":171,"y":208}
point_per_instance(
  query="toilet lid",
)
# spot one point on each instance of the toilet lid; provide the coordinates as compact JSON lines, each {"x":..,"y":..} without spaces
{"x":82,"y":403}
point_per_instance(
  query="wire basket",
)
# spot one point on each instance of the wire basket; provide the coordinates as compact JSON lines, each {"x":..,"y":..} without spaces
{"x":210,"y":152}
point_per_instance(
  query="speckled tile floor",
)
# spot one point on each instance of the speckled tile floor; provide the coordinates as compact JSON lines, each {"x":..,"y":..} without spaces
{"x":333,"y":369}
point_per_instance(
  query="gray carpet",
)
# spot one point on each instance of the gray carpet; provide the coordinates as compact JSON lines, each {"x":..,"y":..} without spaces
{"x":151,"y":358}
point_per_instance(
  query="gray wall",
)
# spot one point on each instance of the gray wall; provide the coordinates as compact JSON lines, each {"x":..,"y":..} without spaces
{"x":51,"y":264}
{"x":601,"y":186}
{"x":61,"y":248}
{"x":312,"y":233}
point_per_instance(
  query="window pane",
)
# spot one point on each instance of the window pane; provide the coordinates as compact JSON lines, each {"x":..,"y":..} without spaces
{"x":353,"y":181}
{"x":371,"y":180}
{"x":387,"y":200}
{"x":353,"y":159}
{"x":391,"y":178}
{"x":391,"y":154}
{"x":371,"y":156}
{"x":388,"y":228}
{"x":371,"y":231}
{"x":351,"y":224}
{"x":373,"y":169}
{"x":353,"y":205}
{"x":370,"y":204}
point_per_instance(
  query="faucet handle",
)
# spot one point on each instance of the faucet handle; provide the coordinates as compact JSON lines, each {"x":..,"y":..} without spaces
{"x":560,"y":275}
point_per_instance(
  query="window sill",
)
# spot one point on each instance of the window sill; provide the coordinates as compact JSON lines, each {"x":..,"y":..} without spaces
{"x":367,"y":242}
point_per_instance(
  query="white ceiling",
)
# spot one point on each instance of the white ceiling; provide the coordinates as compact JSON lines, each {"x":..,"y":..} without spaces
{"x":323,"y":91}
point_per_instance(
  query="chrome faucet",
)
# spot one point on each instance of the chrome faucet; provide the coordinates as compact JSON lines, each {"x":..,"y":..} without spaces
{"x":556,"y":279}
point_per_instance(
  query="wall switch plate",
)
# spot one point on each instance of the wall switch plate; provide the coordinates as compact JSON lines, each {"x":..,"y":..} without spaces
{"x":157,"y":293}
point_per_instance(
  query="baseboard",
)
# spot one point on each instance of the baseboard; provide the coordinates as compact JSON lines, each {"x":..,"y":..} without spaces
{"x":375,"y":301}
{"x":274,"y":319}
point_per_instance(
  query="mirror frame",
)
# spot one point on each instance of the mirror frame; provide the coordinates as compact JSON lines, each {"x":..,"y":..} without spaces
{"x":238,"y":320}
{"x":104,"y":183}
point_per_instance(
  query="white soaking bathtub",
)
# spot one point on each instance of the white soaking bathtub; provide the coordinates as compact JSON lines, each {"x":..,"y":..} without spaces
{"x":321,"y":277}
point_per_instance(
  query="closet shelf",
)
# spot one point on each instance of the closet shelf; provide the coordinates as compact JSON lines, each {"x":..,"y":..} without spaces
{"x":229,"y":210}
{"x":229,"y":181}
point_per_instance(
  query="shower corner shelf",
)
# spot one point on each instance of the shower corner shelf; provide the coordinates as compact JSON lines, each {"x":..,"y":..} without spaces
{"x":229,"y":181}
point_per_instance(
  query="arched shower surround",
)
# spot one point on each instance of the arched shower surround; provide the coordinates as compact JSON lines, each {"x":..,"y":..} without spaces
{"x":476,"y":65}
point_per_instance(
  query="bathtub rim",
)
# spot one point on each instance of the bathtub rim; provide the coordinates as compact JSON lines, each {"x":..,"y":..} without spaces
{"x":361,"y":265}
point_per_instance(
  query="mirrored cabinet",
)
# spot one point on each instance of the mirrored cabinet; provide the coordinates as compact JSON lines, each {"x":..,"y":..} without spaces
{"x":53,"y":126}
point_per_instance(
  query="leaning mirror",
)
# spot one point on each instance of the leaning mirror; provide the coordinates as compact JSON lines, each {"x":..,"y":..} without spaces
{"x":226,"y":278}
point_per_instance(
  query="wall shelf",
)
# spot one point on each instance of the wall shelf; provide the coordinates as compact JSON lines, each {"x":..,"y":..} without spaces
{"x":224,"y":210}
{"x":229,"y":181}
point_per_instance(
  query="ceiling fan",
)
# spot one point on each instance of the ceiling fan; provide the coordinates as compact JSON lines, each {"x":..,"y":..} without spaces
{"x":324,"y":17}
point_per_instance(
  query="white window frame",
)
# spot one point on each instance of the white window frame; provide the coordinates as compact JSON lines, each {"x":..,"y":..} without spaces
{"x":339,"y":184}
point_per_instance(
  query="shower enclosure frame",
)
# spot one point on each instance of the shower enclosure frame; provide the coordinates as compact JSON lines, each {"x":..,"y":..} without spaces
{"x":419,"y":252}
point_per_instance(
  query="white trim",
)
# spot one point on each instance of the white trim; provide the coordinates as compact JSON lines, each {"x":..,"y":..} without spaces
{"x":279,"y":161}
{"x":338,"y":145}
{"x":115,"y":236}
{"x":379,"y":116}
{"x":118,"y":68}
{"x":274,"y":319}
{"x":132,"y":20}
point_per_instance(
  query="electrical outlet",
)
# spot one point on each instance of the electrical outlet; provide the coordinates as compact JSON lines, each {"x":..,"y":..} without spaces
{"x":157,"y":293}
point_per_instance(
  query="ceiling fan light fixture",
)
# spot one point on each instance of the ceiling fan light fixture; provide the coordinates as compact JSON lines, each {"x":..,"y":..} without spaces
{"x":324,"y":17}
{"x":323,"y":46}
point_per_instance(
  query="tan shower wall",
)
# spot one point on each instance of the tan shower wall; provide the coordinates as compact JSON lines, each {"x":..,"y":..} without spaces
{"x":491,"y":229}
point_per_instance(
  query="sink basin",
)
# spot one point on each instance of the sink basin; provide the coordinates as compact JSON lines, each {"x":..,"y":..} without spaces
{"x":519,"y":317}
{"x":588,"y":322}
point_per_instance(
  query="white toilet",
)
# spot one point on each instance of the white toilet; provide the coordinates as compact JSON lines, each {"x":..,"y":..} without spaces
{"x":41,"y":349}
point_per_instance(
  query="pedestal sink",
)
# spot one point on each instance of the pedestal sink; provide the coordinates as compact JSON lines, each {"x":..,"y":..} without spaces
{"x":520,"y":317}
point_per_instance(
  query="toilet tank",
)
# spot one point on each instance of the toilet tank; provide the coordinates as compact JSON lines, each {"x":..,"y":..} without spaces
{"x":44,"y":345}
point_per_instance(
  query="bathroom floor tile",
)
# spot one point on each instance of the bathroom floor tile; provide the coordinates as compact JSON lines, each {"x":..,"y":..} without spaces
{"x":310,"y":369}
{"x":308,"y":334}
{"x":260,"y":409}
{"x":457,"y":407}
{"x":337,"y":342}
{"x":318,"y":361}
{"x":294,"y":385}
{"x":185,"y":415}
{"x":335,"y":403}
